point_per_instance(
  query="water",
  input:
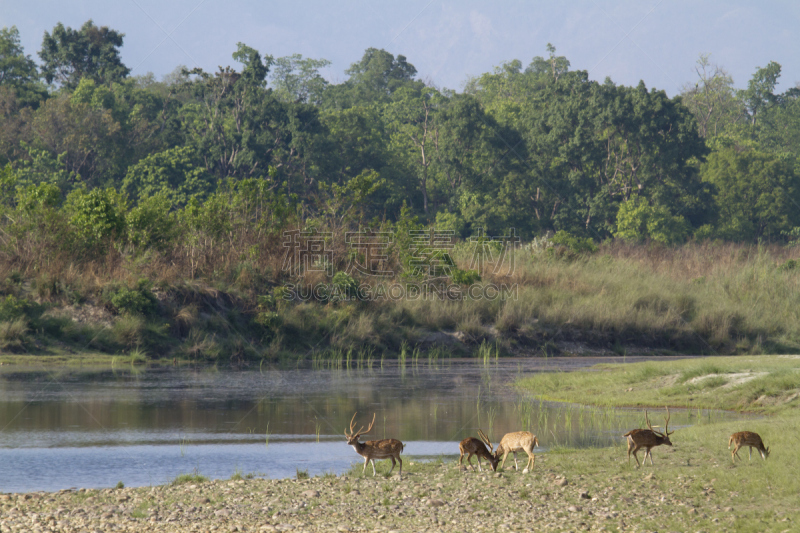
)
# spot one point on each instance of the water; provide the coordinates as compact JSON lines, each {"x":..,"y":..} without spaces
{"x":67,"y":428}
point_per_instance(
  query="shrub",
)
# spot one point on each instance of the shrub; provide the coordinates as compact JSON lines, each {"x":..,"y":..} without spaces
{"x":12,"y":308}
{"x":137,"y":301}
{"x":575,"y":244}
{"x":464,"y":277}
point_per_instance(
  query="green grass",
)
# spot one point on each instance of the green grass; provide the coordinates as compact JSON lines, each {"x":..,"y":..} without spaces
{"x":745,"y":383}
{"x":188,"y":478}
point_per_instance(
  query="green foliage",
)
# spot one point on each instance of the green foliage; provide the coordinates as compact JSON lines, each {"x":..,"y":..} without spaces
{"x":151,"y":224}
{"x":757,"y":193}
{"x":138,"y":300}
{"x":12,"y":308}
{"x":575,"y":244}
{"x":69,"y":55}
{"x":465,"y":277}
{"x":295,"y":79}
{"x":637,"y":220}
{"x":18,"y":71}
{"x":174,"y":173}
{"x":97,"y":215}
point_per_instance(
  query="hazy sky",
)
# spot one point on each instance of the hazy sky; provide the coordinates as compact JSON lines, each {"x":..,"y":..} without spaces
{"x":448,"y":41}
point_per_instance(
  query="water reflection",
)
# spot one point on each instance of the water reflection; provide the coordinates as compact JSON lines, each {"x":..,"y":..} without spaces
{"x":147,"y":426}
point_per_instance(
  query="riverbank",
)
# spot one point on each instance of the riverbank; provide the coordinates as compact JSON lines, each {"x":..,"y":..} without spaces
{"x":690,"y":488}
{"x":692,"y":485}
{"x":620,"y":299}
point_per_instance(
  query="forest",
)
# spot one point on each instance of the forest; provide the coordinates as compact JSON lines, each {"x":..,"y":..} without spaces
{"x":162,"y":206}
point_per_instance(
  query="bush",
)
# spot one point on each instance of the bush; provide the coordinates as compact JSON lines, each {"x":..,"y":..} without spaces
{"x":12,"y":308}
{"x":137,"y":301}
{"x":576,"y":245}
{"x":464,"y":277}
{"x":637,"y":220}
{"x":344,"y":287}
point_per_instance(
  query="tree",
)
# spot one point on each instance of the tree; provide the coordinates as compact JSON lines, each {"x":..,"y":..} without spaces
{"x":712,"y":98}
{"x":757,"y":193}
{"x":69,"y":55}
{"x":175,"y":173}
{"x":17,"y":70}
{"x":296,"y":79}
{"x":372,"y":80}
{"x":759,"y":95}
{"x":411,"y":119}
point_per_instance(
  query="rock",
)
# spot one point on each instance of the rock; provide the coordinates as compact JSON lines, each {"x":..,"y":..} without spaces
{"x":203,"y":500}
{"x":560,"y":482}
{"x":222,"y":512}
{"x":310,"y":493}
{"x":343,"y":528}
{"x":436,"y":503}
{"x":585,"y":496}
{"x":649,"y":477}
{"x":574,"y":509}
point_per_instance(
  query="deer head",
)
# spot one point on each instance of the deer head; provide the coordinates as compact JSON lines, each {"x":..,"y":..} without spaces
{"x":352,"y":438}
{"x":662,"y":437}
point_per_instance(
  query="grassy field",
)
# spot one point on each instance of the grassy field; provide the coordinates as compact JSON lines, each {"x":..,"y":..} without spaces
{"x":759,"y":495}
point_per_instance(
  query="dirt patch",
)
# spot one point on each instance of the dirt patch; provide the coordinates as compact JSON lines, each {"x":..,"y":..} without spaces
{"x":85,"y":314}
{"x":733,"y":379}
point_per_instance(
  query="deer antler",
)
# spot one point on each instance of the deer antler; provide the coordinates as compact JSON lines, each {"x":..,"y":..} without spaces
{"x":370,"y":424}
{"x":649,"y":425}
{"x":666,"y":424}
{"x":485,"y":439}
{"x":346,"y":434}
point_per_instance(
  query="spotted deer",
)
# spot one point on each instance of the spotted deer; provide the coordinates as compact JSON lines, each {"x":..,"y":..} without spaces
{"x":374,"y":449}
{"x":747,"y":438}
{"x":647,"y":439}
{"x":473,"y":446}
{"x":517,"y":441}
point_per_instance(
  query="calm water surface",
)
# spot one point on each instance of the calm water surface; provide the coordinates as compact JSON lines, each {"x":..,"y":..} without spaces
{"x":63,"y":428}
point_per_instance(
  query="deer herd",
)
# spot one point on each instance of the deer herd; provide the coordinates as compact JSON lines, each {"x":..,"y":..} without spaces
{"x":525,"y":441}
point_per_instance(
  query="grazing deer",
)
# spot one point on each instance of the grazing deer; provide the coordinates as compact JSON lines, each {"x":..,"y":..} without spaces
{"x":374,"y":449}
{"x":647,"y":439}
{"x":473,"y":446}
{"x":518,"y":441}
{"x":747,"y":438}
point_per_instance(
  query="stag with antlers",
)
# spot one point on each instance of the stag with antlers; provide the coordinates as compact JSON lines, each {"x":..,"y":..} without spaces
{"x":473,"y":446}
{"x":374,"y":449}
{"x":647,"y":439}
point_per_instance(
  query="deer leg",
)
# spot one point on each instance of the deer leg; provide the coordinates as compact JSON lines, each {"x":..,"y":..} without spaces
{"x":373,"y":467}
{"x":516,"y":466}
{"x":531,"y":461}
{"x":399,"y":460}
{"x":651,"y":456}
{"x":503,"y":464}
{"x":750,"y":457}
{"x":469,"y":462}
{"x":393,"y":463}
{"x":366,"y":462}
{"x":634,"y":451}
